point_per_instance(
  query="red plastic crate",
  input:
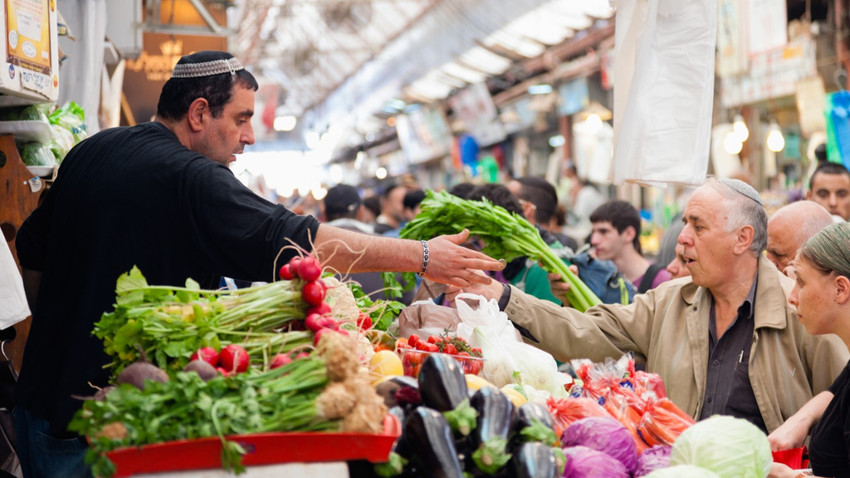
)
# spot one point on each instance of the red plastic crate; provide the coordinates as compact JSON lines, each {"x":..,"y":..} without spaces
{"x":262,"y":449}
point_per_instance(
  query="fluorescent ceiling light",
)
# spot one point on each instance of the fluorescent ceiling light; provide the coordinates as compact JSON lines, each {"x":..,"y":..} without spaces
{"x":512,"y":40}
{"x":431,"y":89}
{"x":486,"y":61}
{"x":464,"y":73}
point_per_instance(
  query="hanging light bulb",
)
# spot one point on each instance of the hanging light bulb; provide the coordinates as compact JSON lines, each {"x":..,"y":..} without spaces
{"x":775,"y":140}
{"x":732,"y":143}
{"x":740,"y":128}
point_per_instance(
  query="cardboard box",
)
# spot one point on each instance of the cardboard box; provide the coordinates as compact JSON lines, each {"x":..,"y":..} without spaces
{"x":29,"y":68}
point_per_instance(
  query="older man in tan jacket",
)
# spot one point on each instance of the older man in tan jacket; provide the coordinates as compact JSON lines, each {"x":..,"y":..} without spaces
{"x":724,"y":340}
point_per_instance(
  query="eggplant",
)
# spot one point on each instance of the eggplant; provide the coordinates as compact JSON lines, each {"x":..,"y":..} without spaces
{"x":495,"y":412}
{"x":533,"y":422}
{"x":533,"y":460}
{"x":429,"y":437}
{"x":442,"y":383}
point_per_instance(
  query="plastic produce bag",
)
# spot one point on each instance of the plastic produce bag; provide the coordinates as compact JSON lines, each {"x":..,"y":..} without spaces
{"x":504,"y":353}
{"x":37,"y":154}
{"x":663,"y":422}
{"x":61,"y":141}
{"x":566,"y":411}
{"x":664,"y":66}
{"x":425,"y":318}
{"x":73,"y":118}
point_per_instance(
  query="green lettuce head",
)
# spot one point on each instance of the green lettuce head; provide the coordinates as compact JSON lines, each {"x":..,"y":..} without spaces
{"x":730,"y":447}
{"x":681,"y":471}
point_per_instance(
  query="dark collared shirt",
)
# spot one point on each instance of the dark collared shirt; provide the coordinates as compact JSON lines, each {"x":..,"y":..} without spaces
{"x":727,"y":389}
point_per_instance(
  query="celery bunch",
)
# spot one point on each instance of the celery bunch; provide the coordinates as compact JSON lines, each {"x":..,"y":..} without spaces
{"x":506,"y":235}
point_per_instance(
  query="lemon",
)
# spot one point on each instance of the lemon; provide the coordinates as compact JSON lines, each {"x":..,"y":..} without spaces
{"x":513,"y":394}
{"x":385,"y":363}
{"x":474,"y":382}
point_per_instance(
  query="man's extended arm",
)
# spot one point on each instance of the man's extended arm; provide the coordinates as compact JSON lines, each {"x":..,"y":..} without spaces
{"x":448,"y":262}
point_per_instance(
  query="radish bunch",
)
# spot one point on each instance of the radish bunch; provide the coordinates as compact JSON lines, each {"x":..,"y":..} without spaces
{"x":231,"y":360}
{"x":309,"y":269}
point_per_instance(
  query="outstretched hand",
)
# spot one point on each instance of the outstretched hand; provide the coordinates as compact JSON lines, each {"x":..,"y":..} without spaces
{"x":451,"y":263}
{"x":560,"y":286}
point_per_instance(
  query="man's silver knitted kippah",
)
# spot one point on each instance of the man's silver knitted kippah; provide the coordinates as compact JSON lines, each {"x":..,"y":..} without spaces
{"x":742,"y":188}
{"x":207,"y":68}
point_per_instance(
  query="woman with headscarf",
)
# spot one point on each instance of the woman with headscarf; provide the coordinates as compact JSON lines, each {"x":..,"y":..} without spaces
{"x":821,"y":296}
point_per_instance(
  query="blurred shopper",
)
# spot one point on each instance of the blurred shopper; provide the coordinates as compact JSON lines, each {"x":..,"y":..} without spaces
{"x":411,"y":203}
{"x":583,"y":200}
{"x":830,"y":187}
{"x":392,"y":209}
{"x":821,"y":297}
{"x":370,"y":210}
{"x":522,"y":272}
{"x":616,"y":237}
{"x":790,"y":227}
{"x":539,"y":201}
{"x":341,"y":206}
{"x":676,"y":267}
{"x":160,"y":196}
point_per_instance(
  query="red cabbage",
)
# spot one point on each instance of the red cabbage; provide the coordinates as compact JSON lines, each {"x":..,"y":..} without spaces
{"x":584,"y":462}
{"x":652,"y":459}
{"x":604,"y":434}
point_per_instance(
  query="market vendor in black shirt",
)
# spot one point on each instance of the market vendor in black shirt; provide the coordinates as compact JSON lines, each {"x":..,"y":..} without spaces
{"x":161,"y":197}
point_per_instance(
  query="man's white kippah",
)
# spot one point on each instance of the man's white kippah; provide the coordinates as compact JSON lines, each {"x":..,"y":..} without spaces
{"x":207,"y":68}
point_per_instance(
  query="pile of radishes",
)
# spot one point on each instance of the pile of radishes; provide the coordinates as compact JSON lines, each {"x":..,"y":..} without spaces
{"x":318,"y":316}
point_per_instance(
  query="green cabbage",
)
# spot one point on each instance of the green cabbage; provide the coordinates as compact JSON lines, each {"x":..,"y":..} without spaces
{"x":730,"y":447}
{"x":682,"y":471}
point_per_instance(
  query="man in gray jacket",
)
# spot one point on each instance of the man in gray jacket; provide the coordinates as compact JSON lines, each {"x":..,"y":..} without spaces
{"x":725,"y":340}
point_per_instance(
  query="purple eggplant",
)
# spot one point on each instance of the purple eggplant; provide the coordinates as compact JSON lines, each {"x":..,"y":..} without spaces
{"x":442,"y":383}
{"x":429,"y":439}
{"x":533,"y":460}
{"x":495,"y":412}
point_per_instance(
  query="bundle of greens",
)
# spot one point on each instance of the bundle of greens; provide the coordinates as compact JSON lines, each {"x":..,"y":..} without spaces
{"x":168,"y":324}
{"x":506,"y":236}
{"x":186,"y":407}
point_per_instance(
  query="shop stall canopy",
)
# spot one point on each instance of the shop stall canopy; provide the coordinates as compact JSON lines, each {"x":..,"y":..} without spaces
{"x":346,"y":61}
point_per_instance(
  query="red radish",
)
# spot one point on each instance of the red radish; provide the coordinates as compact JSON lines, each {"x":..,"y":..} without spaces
{"x":207,"y":354}
{"x":223,"y":372}
{"x":312,"y":322}
{"x":234,"y":358}
{"x":302,"y":355}
{"x":320,"y":309}
{"x":280,"y":360}
{"x":285,"y":272}
{"x":313,"y":293}
{"x":328,"y":323}
{"x":309,"y":269}
{"x":322,"y":332}
{"x":294,"y":265}
{"x":364,"y":322}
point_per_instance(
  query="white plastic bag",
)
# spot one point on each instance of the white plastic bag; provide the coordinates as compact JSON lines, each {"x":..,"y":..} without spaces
{"x":13,"y":301}
{"x":664,"y":76}
{"x":504,"y":352}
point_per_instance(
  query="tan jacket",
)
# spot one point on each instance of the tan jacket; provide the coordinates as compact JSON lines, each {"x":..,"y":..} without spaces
{"x":668,"y":329}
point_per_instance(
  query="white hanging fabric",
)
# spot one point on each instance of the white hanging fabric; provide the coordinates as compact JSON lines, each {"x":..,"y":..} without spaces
{"x":663,"y":90}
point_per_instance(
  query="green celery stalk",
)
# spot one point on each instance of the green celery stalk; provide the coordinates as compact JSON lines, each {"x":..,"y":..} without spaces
{"x":506,"y":235}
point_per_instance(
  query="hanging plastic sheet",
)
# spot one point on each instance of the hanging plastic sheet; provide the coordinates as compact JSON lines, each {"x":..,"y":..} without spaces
{"x":663,"y":90}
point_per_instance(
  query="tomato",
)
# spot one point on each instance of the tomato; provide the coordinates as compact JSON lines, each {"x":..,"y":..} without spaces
{"x":401,"y":343}
{"x":413,"y":339}
{"x":433,"y":339}
{"x":313,"y":293}
{"x":463,"y":354}
{"x":450,"y":349}
{"x":431,"y":347}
